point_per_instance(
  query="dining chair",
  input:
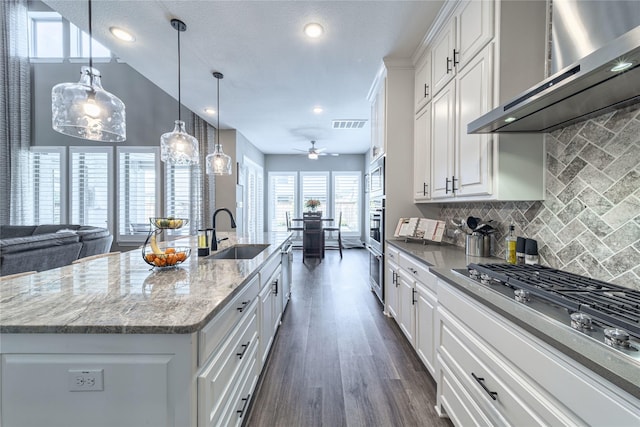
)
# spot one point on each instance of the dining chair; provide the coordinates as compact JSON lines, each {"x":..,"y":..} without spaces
{"x":289,"y":226}
{"x":312,"y":237}
{"x":336,"y":227}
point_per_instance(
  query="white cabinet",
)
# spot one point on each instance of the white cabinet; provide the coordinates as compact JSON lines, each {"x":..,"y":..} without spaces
{"x":270,"y":311}
{"x":467,"y":32}
{"x":426,"y":303}
{"x":461,"y":162}
{"x":422,"y":81}
{"x":491,"y":372}
{"x":406,"y":306}
{"x":422,"y":156}
{"x":378,"y":119}
{"x":391,"y":282}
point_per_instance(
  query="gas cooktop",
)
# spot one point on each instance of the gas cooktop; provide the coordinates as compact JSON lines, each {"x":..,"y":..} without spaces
{"x":606,"y":312}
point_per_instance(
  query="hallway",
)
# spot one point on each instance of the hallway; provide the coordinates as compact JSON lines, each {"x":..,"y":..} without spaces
{"x":337,"y":360}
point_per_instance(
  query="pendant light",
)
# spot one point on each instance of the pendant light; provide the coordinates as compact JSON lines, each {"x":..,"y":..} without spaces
{"x":178,"y":147}
{"x":218,"y":163}
{"x":84,"y":109}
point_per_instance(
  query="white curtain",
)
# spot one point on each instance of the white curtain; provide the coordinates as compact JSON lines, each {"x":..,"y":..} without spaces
{"x":15,"y":115}
{"x":202,"y":185}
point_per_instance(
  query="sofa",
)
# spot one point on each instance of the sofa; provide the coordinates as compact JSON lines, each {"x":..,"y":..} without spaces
{"x":42,"y":247}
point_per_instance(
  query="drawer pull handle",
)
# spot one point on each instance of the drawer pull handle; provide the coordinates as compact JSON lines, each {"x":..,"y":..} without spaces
{"x":243,"y":306}
{"x":449,"y":69}
{"x":244,"y":405}
{"x":244,"y":350}
{"x":413,"y":270}
{"x":275,"y":287}
{"x":413,"y":296}
{"x":480,"y":381}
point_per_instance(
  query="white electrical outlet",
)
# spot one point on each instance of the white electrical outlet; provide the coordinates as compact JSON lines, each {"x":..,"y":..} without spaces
{"x":86,"y":379}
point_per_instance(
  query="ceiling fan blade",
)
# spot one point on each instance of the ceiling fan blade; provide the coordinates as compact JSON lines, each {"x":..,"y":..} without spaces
{"x":302,"y":151}
{"x":320,"y":150}
{"x":329,"y":154}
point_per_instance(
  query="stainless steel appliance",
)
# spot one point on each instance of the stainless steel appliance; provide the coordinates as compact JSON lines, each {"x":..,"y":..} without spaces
{"x":607,"y":313}
{"x":376,"y":245}
{"x":376,"y":178}
{"x":287,"y":271}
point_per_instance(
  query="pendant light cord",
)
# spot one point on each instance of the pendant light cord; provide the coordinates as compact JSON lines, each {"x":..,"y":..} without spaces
{"x":90,"y":47}
{"x":179,"y":94}
{"x":218,"y":118}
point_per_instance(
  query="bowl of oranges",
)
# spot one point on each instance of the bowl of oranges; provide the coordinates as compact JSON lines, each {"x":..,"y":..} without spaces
{"x":170,"y":223}
{"x":169,"y":257}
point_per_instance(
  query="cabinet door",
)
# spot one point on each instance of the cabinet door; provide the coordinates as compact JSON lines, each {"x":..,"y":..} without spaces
{"x":422,"y":81}
{"x":474,"y":30}
{"x":406,"y":303}
{"x":422,"y":156}
{"x":265,"y":310}
{"x":378,"y":120}
{"x":442,"y":128}
{"x":425,"y":323}
{"x":442,"y":70}
{"x":473,"y":152}
{"x":391,"y":289}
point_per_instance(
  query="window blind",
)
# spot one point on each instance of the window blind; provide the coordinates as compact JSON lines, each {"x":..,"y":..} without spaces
{"x":90,"y":187}
{"x":137,"y":191}
{"x":282,"y":194}
{"x":47,"y":177}
{"x":178,"y":194}
{"x":314,"y":186}
{"x":346,"y":188}
{"x":254,"y":184}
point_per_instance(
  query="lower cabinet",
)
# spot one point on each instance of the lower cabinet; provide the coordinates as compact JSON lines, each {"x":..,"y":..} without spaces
{"x":406,"y":306}
{"x":270,"y":309}
{"x":391,"y":282}
{"x":425,"y":308}
{"x":490,"y":372}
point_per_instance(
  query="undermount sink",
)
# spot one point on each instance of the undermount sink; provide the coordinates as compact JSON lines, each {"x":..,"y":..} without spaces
{"x":239,"y":252}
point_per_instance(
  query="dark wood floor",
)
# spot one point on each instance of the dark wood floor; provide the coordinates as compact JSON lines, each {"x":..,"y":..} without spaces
{"x":337,"y":360}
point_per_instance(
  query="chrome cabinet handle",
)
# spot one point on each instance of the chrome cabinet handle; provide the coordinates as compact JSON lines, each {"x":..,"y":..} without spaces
{"x":413,"y":296}
{"x":426,"y":90}
{"x":449,"y":69}
{"x":453,"y":184}
{"x":275,"y":287}
{"x":456,"y":61}
{"x":492,"y":394}
{"x":424,"y":188}
{"x":446,"y":186}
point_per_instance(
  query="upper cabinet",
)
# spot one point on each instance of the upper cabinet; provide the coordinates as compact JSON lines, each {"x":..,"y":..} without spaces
{"x":479,"y":57}
{"x":468,"y":31}
{"x":422,"y":82}
{"x":378,"y":119}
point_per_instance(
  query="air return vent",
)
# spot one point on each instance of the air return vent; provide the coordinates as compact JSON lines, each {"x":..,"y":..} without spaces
{"x":348,"y":124}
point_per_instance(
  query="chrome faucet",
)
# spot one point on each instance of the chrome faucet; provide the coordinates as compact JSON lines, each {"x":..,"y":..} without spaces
{"x":214,"y":239}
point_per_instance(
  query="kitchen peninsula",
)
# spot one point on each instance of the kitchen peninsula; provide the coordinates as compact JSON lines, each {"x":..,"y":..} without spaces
{"x":109,"y":342}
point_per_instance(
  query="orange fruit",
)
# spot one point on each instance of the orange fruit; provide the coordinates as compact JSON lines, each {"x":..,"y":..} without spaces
{"x":181,"y":256}
{"x":150,"y":257}
{"x":170,"y":251}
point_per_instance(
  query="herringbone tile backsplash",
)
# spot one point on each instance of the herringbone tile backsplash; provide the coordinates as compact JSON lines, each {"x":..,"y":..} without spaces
{"x":590,"y":221}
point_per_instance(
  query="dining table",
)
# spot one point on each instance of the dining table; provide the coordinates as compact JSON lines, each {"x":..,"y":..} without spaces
{"x":312,"y":235}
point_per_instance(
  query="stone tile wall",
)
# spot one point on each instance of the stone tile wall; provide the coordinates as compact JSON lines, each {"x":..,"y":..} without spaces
{"x":590,"y":221}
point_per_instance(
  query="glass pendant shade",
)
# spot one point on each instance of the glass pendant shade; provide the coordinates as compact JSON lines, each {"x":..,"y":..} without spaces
{"x":178,"y":147}
{"x":218,"y":163}
{"x":85,"y":110}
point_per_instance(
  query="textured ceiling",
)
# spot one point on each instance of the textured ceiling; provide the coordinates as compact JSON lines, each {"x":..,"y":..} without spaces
{"x":274,"y":74}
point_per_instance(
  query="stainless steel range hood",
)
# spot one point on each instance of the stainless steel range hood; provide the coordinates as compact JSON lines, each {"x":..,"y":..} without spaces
{"x":584,"y":89}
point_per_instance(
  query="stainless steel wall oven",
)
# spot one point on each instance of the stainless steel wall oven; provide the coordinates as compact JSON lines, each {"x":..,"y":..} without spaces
{"x":376,"y":245}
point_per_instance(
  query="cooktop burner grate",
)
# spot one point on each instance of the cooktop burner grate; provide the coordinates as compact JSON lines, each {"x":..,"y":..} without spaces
{"x":613,"y":305}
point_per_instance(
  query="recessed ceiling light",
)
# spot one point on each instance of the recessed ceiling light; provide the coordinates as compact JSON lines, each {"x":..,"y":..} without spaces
{"x":317,"y":110}
{"x":210,"y":111}
{"x":313,"y":30}
{"x":121,"y":34}
{"x":510,"y":119}
{"x":621,"y":66}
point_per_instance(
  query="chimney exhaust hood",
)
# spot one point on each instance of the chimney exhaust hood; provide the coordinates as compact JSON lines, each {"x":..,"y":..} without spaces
{"x":598,"y":83}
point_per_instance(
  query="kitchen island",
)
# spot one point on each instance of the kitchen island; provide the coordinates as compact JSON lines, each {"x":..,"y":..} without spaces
{"x":497,"y":361}
{"x":110,"y":342}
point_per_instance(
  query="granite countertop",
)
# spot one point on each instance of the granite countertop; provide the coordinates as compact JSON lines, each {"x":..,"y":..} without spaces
{"x":610,"y":364}
{"x":121,"y":294}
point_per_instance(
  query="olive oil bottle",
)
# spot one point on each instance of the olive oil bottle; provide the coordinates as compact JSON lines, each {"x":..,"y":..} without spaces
{"x":510,"y":246}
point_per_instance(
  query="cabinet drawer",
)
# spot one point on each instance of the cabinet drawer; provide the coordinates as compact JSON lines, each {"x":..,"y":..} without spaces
{"x":219,"y":378}
{"x":598,"y":402}
{"x":210,"y":337}
{"x":267,"y":271}
{"x":393,"y":254}
{"x":476,"y":366}
{"x":419,"y":271}
{"x":456,"y":402}
{"x":237,"y":409}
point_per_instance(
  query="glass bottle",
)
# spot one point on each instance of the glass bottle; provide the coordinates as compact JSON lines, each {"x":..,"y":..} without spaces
{"x":510,"y":246}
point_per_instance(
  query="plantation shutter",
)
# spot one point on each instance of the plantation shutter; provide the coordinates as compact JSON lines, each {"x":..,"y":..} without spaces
{"x":178,"y":195}
{"x":90,"y":192}
{"x":47,"y":184}
{"x":282,"y":196}
{"x":346,"y":187}
{"x":314,"y":186}
{"x":137,"y":191}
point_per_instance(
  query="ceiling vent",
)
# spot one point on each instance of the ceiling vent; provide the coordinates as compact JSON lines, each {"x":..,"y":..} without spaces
{"x":348,"y":124}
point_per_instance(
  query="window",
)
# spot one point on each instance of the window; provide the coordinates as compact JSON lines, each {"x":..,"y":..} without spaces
{"x":315,"y":186}
{"x":47,"y":39}
{"x":346,"y":194}
{"x":91,"y":197}
{"x":79,"y":45}
{"x":46,"y":162}
{"x":178,"y":202}
{"x":138,"y":169}
{"x":282,"y":190}
{"x":254,"y":199}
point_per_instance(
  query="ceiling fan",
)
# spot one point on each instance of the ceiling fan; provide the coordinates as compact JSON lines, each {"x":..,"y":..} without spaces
{"x":313,"y":152}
